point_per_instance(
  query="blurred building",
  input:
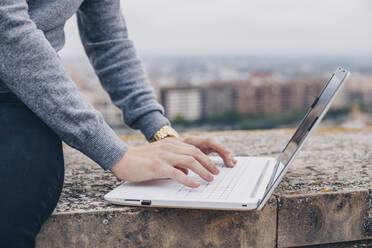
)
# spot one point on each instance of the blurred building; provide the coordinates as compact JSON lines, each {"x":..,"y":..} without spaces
{"x":268,"y":95}
{"x":359,"y":90}
{"x":302,"y":92}
{"x":182,"y":102}
{"x":253,"y":98}
{"x":276,"y":95}
{"x":218,"y":99}
{"x":261,"y":92}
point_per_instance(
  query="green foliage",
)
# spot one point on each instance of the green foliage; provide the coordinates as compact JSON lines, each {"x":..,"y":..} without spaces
{"x":179,"y":120}
{"x":339,"y":112}
{"x":233,"y":120}
{"x":245,"y":121}
{"x":366,"y":109}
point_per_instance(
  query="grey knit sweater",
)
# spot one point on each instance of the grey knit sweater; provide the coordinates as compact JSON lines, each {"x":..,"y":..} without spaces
{"x":31,"y":33}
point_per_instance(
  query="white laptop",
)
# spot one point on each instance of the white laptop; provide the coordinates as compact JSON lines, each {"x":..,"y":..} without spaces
{"x":247,"y":186}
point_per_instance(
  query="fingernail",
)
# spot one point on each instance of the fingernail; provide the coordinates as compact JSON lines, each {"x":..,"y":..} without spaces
{"x":216,"y":171}
{"x":195,"y":184}
{"x":232,"y":162}
{"x":210,"y":178}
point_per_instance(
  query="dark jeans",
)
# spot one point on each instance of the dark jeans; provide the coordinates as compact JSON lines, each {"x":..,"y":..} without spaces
{"x":31,"y":173}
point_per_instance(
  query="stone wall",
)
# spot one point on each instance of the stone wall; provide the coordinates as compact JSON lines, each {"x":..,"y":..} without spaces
{"x":325,"y":197}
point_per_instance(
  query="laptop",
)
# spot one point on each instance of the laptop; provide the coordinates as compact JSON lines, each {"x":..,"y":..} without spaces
{"x":246,"y":186}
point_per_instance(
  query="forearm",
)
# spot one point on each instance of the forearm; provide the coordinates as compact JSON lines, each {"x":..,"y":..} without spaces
{"x":30,"y":68}
{"x":122,"y":76}
{"x":104,"y":35}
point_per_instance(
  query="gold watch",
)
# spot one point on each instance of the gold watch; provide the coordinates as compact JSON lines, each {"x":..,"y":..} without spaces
{"x":164,"y":132}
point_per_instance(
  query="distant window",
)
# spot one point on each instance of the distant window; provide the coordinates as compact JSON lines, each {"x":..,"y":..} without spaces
{"x":286,"y":98}
{"x":259,"y":98}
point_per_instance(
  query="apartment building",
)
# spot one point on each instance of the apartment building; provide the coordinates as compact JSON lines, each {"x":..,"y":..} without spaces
{"x":251,"y":96}
{"x":276,"y":96}
{"x":359,"y":90}
{"x":218,"y":99}
{"x":182,"y":102}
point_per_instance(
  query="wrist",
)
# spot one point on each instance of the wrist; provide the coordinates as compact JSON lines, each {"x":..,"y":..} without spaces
{"x":150,"y":123}
{"x":164,"y":132}
{"x":118,"y":168}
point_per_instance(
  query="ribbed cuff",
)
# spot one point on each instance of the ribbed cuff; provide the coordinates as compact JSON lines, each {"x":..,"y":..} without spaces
{"x":150,"y":123}
{"x":105,"y":148}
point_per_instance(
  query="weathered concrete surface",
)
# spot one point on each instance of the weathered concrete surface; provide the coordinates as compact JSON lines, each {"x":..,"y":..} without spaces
{"x":324,"y":218}
{"x":149,"y":227}
{"x":333,"y":160}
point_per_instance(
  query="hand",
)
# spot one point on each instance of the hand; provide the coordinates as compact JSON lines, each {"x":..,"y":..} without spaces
{"x":169,"y":158}
{"x":209,"y":145}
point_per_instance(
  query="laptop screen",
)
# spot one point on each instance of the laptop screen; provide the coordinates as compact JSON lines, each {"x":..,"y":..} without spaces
{"x":310,"y":118}
{"x":315,"y":113}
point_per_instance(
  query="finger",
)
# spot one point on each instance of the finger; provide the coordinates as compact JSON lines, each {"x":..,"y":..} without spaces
{"x":184,"y":170}
{"x":190,"y":150}
{"x":222,"y":151}
{"x":208,"y":145}
{"x":191,"y":163}
{"x":180,"y":177}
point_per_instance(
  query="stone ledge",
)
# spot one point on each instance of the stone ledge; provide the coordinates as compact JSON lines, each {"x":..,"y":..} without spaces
{"x":151,"y":227}
{"x":324,"y":218}
{"x":326,"y":186}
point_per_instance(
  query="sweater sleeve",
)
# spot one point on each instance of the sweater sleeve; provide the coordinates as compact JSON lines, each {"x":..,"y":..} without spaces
{"x":31,"y":69}
{"x":104,"y":36}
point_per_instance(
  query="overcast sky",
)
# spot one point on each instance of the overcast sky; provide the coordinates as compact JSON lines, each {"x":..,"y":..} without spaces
{"x":243,"y":26}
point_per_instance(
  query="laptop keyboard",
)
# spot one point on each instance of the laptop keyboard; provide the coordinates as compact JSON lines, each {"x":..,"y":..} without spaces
{"x":221,"y":187}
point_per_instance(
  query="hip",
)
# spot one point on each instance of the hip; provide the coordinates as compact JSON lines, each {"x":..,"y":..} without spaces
{"x":31,"y":172}
{"x":23,"y":133}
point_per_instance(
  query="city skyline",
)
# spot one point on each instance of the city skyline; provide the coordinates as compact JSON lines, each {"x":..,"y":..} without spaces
{"x":228,"y":27}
